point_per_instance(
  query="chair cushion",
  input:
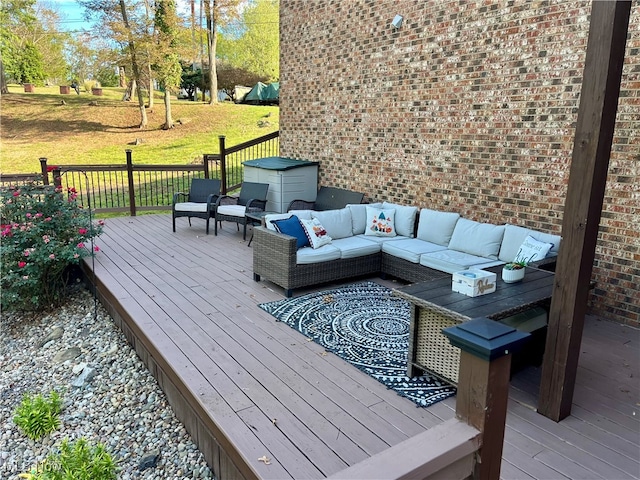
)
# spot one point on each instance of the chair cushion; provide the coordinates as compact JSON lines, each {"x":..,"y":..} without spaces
{"x":405,"y":220}
{"x":436,"y":227}
{"x":410,"y":249}
{"x":381,"y":240}
{"x":232,"y":210}
{"x":451,"y":261}
{"x":316,"y":233}
{"x":190,"y":207}
{"x":336,"y":222}
{"x":380,"y":222}
{"x":291,"y":226}
{"x":351,"y":247}
{"x":359,"y":216}
{"x":325,"y":253}
{"x":514,"y":235}
{"x":532,"y":250}
{"x":475,"y":238}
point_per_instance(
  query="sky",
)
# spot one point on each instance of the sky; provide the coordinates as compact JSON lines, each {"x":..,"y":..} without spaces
{"x":71,"y":14}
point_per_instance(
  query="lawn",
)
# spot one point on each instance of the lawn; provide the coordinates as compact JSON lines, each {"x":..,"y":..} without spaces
{"x":38,"y":124}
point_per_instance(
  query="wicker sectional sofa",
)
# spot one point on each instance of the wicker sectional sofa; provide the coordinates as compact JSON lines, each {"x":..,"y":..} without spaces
{"x":426,"y":244}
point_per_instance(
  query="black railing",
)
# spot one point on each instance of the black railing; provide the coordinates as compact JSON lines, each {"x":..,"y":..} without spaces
{"x":131,"y":188}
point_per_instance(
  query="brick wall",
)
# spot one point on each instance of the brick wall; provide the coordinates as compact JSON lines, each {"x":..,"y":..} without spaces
{"x":468,"y":107}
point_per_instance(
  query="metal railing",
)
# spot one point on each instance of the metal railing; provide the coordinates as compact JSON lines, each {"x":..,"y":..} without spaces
{"x":131,"y":188}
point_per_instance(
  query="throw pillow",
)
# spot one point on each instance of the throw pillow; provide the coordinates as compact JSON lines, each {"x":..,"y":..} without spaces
{"x":380,"y":222}
{"x":532,"y":250}
{"x":316,"y":233}
{"x":291,"y":226}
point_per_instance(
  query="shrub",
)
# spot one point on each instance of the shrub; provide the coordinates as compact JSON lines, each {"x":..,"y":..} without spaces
{"x":76,"y":461}
{"x":44,"y":232}
{"x":37,"y":416}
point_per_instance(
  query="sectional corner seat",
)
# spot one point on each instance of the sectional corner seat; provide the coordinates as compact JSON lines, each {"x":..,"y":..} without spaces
{"x":441,"y":244}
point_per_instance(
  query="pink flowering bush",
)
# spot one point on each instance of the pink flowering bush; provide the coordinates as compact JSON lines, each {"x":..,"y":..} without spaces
{"x":44,"y":233}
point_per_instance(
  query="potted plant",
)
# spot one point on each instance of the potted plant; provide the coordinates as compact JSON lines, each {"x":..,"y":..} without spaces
{"x":513,"y":272}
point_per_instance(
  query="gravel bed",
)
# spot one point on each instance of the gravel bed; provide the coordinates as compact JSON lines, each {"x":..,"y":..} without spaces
{"x":108,"y":394}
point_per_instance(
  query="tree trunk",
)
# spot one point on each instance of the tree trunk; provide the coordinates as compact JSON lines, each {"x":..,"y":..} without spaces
{"x":148,"y":10}
{"x":134,"y":65}
{"x":211,"y":44}
{"x":168,"y":124}
{"x":3,"y":81}
{"x":150,"y":86}
{"x":128,"y":93}
{"x":122,"y":77}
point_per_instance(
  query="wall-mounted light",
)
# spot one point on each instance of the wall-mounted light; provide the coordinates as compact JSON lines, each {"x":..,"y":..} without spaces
{"x":396,"y":23}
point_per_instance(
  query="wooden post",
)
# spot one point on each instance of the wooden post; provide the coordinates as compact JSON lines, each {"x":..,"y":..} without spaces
{"x":43,"y":169}
{"x":223,"y":166}
{"x":583,"y":206}
{"x":132,"y":193}
{"x":483,"y":384}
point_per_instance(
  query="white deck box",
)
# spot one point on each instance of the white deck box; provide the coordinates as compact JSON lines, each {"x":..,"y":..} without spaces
{"x":288,"y":180}
{"x":474,"y":282}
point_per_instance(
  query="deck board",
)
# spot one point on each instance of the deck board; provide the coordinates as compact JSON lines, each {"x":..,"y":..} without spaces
{"x":247,"y":386}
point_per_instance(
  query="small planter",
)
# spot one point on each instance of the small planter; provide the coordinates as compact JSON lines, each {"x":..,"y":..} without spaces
{"x":29,"y":87}
{"x":65,"y":89}
{"x":512,"y":275}
{"x":96,"y":91}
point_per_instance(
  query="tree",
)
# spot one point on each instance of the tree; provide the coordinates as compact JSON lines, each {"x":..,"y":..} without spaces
{"x":229,"y":77}
{"x":14,"y":15}
{"x":167,"y":65}
{"x":217,"y":12}
{"x":134,"y":63}
{"x":253,"y":44}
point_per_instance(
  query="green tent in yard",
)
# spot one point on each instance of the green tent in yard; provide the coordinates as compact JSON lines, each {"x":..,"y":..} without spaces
{"x":262,"y":94}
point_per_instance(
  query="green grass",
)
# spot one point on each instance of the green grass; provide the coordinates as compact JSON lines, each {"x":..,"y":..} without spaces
{"x":38,"y":125}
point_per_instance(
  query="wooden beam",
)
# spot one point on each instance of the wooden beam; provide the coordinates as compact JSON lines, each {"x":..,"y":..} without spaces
{"x":583,"y":206}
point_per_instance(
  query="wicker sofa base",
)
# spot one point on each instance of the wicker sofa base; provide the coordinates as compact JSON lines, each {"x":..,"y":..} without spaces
{"x":408,"y":271}
{"x":298,"y":276}
{"x":274,"y":259}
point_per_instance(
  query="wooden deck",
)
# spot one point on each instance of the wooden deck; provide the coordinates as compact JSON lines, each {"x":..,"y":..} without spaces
{"x":248,"y":387}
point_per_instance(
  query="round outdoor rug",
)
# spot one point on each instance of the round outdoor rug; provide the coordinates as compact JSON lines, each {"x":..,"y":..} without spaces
{"x":366,"y":326}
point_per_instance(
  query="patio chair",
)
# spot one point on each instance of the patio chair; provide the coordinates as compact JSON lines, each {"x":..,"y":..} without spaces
{"x":200,"y":201}
{"x":252,"y":199}
{"x":328,"y":198}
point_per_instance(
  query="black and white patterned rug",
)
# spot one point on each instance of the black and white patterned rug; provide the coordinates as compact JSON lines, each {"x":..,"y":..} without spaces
{"x":366,"y":326}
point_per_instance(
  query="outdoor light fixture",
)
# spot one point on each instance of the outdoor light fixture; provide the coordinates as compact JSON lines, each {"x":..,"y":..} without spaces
{"x":396,"y":23}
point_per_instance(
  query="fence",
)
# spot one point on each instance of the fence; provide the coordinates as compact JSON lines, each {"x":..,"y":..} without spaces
{"x":131,"y":188}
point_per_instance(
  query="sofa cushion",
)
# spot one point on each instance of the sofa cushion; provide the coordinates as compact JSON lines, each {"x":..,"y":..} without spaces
{"x":436,"y":227}
{"x":336,"y":222}
{"x":352,"y":247}
{"x":410,"y":249}
{"x":359,"y":216}
{"x":405,"y":221}
{"x":514,"y":235}
{"x":291,"y":226}
{"x":451,"y":261}
{"x":316,"y":233}
{"x":380,"y":222}
{"x":381,"y":240}
{"x":532,"y":250}
{"x":475,"y":238}
{"x":326,"y":253}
